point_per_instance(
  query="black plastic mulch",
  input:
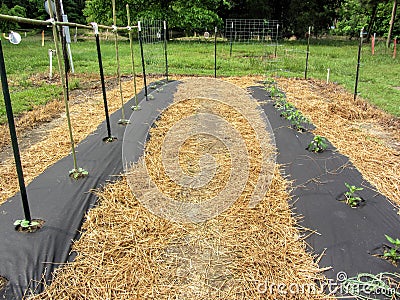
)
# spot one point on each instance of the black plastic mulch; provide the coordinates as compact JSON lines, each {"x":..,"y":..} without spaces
{"x":347,"y":236}
{"x":26,"y":259}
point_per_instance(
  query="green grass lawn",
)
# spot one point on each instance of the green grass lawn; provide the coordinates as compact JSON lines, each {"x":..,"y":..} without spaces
{"x":379,"y":74}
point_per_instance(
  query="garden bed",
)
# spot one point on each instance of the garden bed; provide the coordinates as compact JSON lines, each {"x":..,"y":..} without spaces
{"x":137,"y":254}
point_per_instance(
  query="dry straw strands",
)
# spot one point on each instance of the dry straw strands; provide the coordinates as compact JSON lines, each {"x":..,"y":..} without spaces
{"x":344,"y":121}
{"x":126,"y":252}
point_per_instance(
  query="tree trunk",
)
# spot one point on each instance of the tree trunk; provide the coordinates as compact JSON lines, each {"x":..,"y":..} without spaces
{"x":372,"y":20}
{"x":391,"y":23}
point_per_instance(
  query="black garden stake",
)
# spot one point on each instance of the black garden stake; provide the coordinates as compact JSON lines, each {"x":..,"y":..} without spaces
{"x":14,"y":140}
{"x":142,"y":54}
{"x":109,"y":137}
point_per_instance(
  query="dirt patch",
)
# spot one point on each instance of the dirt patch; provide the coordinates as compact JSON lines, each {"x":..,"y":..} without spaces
{"x":380,"y":134}
{"x":397,"y":88}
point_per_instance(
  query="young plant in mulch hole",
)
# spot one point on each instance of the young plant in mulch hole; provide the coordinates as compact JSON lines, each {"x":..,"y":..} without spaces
{"x":297,"y":120}
{"x":109,"y":139}
{"x":392,"y":253}
{"x":28,"y":226}
{"x":274,"y":91}
{"x":269,"y":81}
{"x":78,"y":173}
{"x":317,"y":145}
{"x":350,"y":197}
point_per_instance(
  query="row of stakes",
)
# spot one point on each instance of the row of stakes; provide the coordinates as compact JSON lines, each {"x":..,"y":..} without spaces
{"x":76,"y":172}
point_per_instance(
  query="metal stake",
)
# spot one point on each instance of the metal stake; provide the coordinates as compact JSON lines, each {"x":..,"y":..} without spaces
{"x":358,"y":63}
{"x":109,"y":137}
{"x":230,"y":41}
{"x":142,"y":54}
{"x":308,"y":52}
{"x":13,"y":134}
{"x":136,"y":106}
{"x":165,"y":49}
{"x":215,"y":53}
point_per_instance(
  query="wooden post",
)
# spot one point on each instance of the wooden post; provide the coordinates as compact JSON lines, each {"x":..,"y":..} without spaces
{"x":373,"y":44}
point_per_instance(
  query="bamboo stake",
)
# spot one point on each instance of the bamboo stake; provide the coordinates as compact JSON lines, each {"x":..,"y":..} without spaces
{"x":122,"y":121}
{"x":75,"y":172}
{"x":50,"y":22}
{"x":136,"y":106}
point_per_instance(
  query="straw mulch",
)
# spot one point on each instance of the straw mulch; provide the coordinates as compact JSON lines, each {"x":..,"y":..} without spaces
{"x":86,"y":110}
{"x":127,"y":252}
{"x":228,"y":127}
{"x":368,"y":136}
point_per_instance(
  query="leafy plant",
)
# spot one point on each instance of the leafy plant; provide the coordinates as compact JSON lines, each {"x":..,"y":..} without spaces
{"x":318,"y":144}
{"x":297,"y":119}
{"x":274,"y":91}
{"x":351,"y":198}
{"x":25,"y":223}
{"x":393,"y":253}
{"x":78,"y":173}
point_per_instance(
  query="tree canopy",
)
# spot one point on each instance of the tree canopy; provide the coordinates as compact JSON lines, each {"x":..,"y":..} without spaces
{"x":346,"y":16}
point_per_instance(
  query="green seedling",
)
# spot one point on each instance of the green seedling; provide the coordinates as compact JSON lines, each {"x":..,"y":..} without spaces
{"x":280,"y":103}
{"x":25,"y":223}
{"x":274,"y":91}
{"x":78,"y":173}
{"x":287,"y":110}
{"x":351,"y":199}
{"x":269,"y":81}
{"x":297,"y":120}
{"x":393,"y":253}
{"x":318,"y":144}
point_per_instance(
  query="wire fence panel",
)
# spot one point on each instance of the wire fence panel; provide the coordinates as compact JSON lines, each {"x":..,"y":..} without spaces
{"x":153,"y":46}
{"x":251,"y":30}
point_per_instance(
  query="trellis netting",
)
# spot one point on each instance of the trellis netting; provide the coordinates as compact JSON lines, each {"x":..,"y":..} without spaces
{"x":252,"y":30}
{"x":153,"y":36}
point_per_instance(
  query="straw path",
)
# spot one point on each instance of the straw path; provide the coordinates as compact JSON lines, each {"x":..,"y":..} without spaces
{"x":126,"y":252}
{"x":368,"y":136}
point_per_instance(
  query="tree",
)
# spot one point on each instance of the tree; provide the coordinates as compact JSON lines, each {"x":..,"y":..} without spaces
{"x":372,"y":15}
{"x":17,"y":10}
{"x":318,"y":14}
{"x":189,"y":15}
{"x":392,"y":19}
